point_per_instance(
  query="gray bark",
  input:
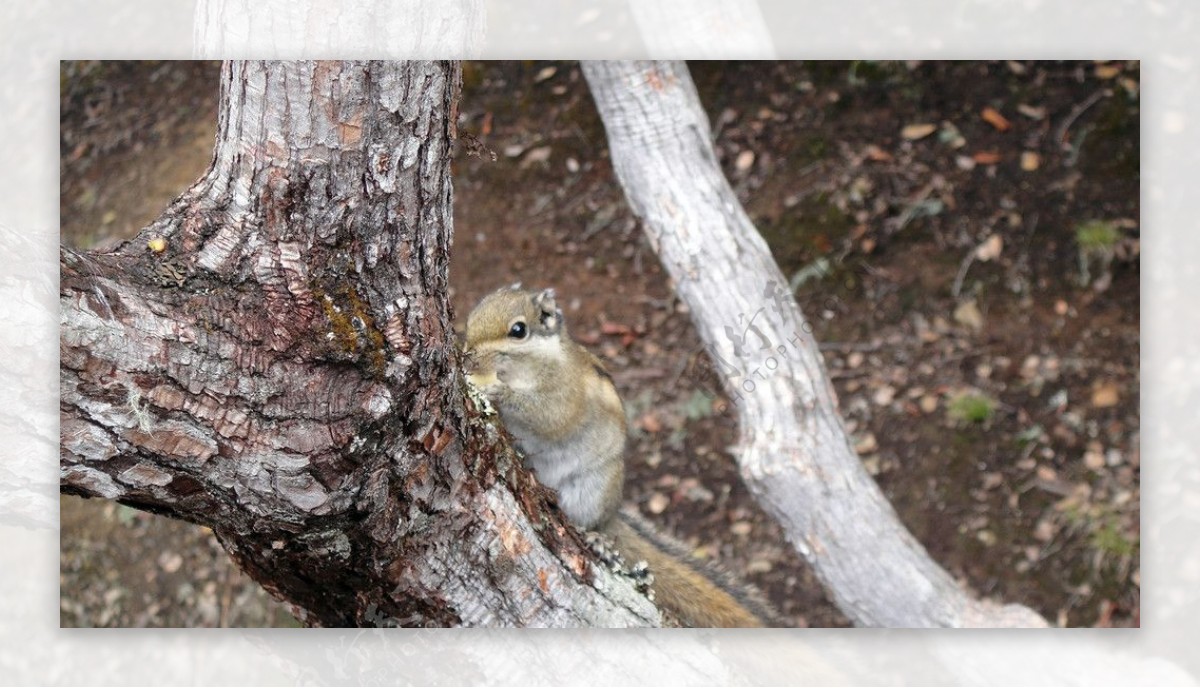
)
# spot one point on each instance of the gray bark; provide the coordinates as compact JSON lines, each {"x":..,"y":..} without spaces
{"x":401,"y":28}
{"x":795,"y":454}
{"x":731,"y":29}
{"x":273,"y":358}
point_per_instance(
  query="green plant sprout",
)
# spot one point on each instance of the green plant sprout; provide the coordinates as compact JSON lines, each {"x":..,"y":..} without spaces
{"x":971,"y":407}
{"x":1097,"y":240}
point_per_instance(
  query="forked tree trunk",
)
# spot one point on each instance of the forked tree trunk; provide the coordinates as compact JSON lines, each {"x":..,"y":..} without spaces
{"x":273,"y":358}
{"x":794,"y":453}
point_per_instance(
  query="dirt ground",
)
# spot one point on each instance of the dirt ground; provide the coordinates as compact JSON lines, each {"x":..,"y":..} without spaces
{"x":964,"y":237}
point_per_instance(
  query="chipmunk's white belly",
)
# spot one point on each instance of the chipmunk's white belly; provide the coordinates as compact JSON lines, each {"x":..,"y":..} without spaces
{"x":572,"y":469}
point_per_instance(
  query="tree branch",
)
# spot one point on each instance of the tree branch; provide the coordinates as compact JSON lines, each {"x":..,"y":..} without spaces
{"x":795,"y":454}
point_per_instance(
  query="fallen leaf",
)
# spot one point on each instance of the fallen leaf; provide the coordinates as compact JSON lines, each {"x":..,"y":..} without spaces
{"x":884,"y":395}
{"x":1105,"y":394}
{"x":650,"y":422}
{"x":913,"y":132}
{"x":657,"y":503}
{"x":1107,"y":71}
{"x":1030,"y":161}
{"x":986,"y":157}
{"x":1093,"y":458}
{"x":968,"y":314}
{"x":741,"y":528}
{"x":928,"y":403}
{"x":545,"y":73}
{"x":693,"y":491}
{"x":170,"y":562}
{"x":1044,"y":531}
{"x":1031,"y":111}
{"x":536,"y":156}
{"x":990,"y":248}
{"x":759,"y":566}
{"x":867,"y":444}
{"x":877,"y":154}
{"x":744,"y":160}
{"x":994,"y":118}
{"x":1113,"y":457}
{"x":872,"y":464}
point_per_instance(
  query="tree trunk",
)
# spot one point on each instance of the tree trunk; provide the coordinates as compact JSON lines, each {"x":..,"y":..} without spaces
{"x":795,"y":454}
{"x":273,"y":358}
{"x":407,"y":28}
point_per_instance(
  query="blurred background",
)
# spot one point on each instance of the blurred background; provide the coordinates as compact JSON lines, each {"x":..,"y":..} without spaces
{"x":964,"y":237}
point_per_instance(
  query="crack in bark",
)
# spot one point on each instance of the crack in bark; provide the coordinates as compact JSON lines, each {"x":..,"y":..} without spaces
{"x":293,"y":383}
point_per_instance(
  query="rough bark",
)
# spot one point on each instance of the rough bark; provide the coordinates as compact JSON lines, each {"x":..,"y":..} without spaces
{"x":402,"y":28}
{"x":794,"y":454}
{"x":273,"y":358}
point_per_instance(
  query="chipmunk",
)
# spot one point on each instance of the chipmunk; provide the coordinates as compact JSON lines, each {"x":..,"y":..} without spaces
{"x":560,"y":405}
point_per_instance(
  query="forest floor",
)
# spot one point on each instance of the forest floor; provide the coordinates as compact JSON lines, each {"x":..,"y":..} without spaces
{"x":963,"y":236}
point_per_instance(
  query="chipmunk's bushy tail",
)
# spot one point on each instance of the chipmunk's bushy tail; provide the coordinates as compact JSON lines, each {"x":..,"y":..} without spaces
{"x":697,"y":594}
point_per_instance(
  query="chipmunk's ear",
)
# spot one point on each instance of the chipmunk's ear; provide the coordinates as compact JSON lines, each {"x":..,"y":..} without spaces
{"x":549,"y":314}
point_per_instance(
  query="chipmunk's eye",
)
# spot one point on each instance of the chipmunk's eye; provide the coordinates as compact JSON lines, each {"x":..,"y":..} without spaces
{"x":518,"y":330}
